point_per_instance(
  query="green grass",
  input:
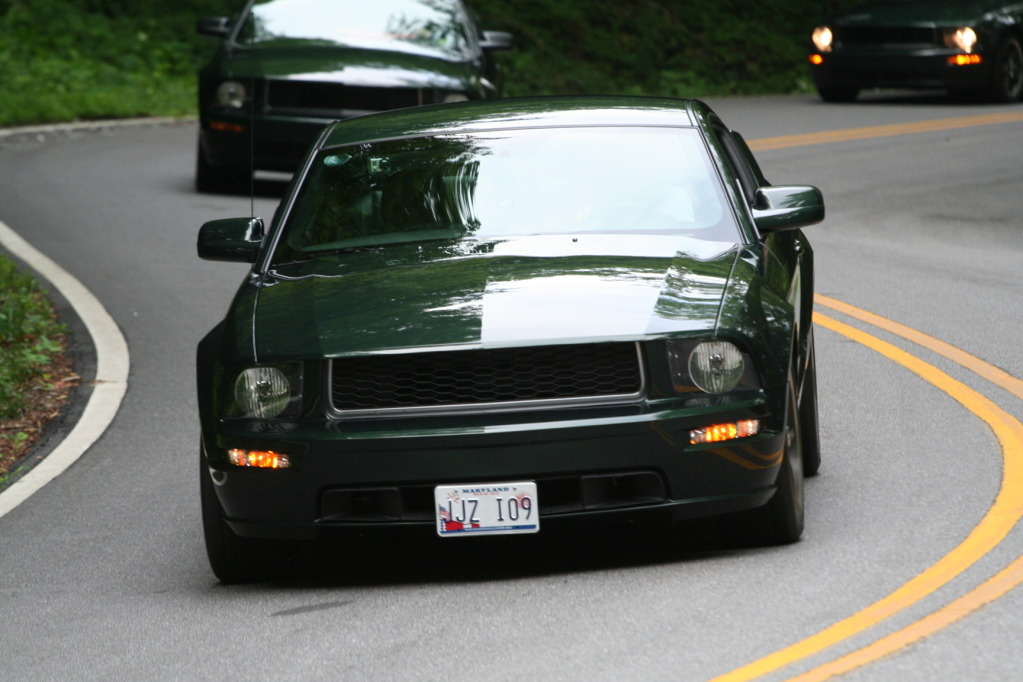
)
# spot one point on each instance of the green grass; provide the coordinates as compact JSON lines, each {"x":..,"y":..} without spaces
{"x":29,"y":336}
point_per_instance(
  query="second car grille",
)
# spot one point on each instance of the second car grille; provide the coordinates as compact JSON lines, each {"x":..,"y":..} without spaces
{"x":886,"y":36}
{"x":317,"y":96}
{"x":478,"y":380}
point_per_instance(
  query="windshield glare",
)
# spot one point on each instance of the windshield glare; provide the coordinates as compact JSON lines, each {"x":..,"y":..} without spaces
{"x":429,"y":27}
{"x":508,"y":183}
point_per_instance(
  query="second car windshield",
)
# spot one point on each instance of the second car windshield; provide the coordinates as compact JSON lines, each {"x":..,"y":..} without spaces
{"x":430,"y":27}
{"x":505,"y":184}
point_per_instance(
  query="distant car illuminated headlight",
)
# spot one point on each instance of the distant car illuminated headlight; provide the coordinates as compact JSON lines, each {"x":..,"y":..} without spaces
{"x":265,"y":392}
{"x":231,"y":94}
{"x":964,"y":39}
{"x":822,"y":38}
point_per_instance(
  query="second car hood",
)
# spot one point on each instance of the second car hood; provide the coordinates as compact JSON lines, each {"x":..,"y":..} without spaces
{"x":350,"y":66}
{"x":551,"y":288}
{"x":908,"y":12}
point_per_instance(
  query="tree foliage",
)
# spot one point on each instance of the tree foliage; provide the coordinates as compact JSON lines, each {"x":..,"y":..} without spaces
{"x":66,"y":59}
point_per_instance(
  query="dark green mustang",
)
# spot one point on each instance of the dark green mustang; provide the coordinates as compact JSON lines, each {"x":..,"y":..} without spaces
{"x":971,"y":48}
{"x":508,"y":317}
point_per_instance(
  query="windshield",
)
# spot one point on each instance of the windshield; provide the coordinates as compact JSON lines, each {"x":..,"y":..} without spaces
{"x":428,"y":27}
{"x":507,"y":183}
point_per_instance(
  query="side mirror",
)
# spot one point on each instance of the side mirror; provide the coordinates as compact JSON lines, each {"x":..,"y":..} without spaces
{"x":777,"y":209}
{"x":216,"y":27}
{"x":497,"y":40}
{"x":232,"y":239}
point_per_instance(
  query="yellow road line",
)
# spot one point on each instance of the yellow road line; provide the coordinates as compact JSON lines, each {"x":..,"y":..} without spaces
{"x":1004,"y":513}
{"x":993,"y":374}
{"x":892,"y":130}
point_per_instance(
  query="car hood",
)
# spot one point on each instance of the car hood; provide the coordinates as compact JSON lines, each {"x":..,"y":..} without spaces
{"x":541,"y":289}
{"x":926,"y":12}
{"x":349,"y":66}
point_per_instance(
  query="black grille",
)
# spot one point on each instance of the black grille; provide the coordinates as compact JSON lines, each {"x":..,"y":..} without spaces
{"x":886,"y":36}
{"x":283,"y":94}
{"x":484,"y":377}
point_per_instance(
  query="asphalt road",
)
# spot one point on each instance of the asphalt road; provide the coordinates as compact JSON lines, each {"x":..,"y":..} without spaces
{"x":103,"y":572}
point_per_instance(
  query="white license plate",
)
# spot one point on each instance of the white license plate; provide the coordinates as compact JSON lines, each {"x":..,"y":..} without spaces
{"x":487,"y":509}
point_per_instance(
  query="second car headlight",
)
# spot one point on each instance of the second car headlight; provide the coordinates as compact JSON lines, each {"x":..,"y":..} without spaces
{"x":964,"y":39}
{"x":822,"y":38}
{"x":266,"y":392}
{"x":231,"y":94}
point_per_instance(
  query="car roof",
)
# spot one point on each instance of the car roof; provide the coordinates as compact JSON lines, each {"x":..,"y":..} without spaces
{"x":503,"y":114}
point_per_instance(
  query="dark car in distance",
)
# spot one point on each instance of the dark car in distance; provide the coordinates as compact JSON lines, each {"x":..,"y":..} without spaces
{"x":286,"y":68}
{"x":511,"y":317}
{"x":970,"y":48}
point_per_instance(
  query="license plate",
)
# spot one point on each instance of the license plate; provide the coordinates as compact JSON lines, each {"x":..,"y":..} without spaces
{"x":487,"y":509}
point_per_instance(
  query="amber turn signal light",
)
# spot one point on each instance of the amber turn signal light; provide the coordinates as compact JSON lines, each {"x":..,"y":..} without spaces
{"x":262,"y":459}
{"x":722,"y":432}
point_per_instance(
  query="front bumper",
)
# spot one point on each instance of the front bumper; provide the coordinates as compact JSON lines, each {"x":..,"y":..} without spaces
{"x":378,"y":478}
{"x":276,"y":143}
{"x":898,"y":69}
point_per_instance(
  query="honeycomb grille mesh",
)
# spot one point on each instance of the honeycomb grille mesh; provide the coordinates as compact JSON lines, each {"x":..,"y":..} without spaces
{"x":485,"y":377}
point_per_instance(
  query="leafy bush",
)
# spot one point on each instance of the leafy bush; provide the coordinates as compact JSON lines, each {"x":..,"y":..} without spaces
{"x":29,"y":336}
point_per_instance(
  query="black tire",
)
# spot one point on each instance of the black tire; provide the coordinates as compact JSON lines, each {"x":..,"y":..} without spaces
{"x":1007,"y":74}
{"x":234,"y":559}
{"x":838,"y":93}
{"x":780,"y":521}
{"x":808,"y":419}
{"x":210,"y":179}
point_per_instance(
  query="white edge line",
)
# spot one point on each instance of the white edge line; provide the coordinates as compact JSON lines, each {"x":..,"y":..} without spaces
{"x":112,"y":363}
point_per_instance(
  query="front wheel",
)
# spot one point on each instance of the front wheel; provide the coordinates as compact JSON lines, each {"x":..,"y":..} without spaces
{"x":838,"y":93}
{"x":210,"y":179}
{"x":808,"y":419}
{"x":1007,"y":75}
{"x":780,"y":521}
{"x":234,"y":559}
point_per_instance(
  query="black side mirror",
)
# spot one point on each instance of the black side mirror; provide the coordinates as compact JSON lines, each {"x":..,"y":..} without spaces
{"x":231,"y":239}
{"x":494,"y":41}
{"x":216,"y":27}
{"x":776,"y":209}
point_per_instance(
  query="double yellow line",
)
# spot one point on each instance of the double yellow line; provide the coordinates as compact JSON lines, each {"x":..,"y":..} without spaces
{"x":893,"y":130}
{"x":1002,"y":516}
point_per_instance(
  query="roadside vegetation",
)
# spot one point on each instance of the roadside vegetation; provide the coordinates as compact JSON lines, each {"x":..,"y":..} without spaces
{"x":87,"y":59}
{"x":35,"y":372}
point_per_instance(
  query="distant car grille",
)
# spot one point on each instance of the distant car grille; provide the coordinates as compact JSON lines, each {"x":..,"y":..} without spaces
{"x":886,"y":36}
{"x":479,"y":380}
{"x":317,"y":96}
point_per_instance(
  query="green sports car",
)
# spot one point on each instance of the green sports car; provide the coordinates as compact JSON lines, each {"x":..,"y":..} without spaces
{"x":971,"y":48}
{"x":287,"y":68}
{"x":511,"y":317}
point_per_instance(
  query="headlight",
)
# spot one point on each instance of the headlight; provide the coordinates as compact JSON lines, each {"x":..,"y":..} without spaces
{"x":455,"y":97}
{"x":716,"y":366}
{"x":709,"y":366}
{"x":822,"y":38}
{"x":265,"y":392}
{"x":964,"y":39}
{"x":231,"y":94}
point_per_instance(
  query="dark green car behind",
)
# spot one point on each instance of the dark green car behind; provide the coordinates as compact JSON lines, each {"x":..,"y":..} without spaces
{"x":970,"y":48}
{"x":507,"y":317}
{"x":287,"y":68}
